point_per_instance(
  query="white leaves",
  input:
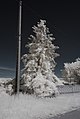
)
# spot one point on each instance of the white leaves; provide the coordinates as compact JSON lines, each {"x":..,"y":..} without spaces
{"x":72,"y":70}
{"x":78,"y":59}
{"x":39,"y":49}
{"x":43,"y":87}
{"x":42,"y":22}
{"x":24,"y":58}
{"x":39,"y":63}
{"x":73,"y":65}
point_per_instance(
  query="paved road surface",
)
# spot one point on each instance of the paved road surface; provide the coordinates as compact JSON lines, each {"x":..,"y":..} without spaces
{"x":71,"y":115}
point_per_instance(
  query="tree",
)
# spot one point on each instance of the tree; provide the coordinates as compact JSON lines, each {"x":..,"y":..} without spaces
{"x":71,"y":71}
{"x":39,"y":63}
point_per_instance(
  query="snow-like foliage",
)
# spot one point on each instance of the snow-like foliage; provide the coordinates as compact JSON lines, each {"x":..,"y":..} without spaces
{"x":71,"y":71}
{"x":43,"y":87}
{"x":40,"y":59}
{"x":4,"y":88}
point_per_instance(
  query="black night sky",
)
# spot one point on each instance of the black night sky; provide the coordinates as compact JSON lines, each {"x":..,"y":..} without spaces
{"x":63,"y":20}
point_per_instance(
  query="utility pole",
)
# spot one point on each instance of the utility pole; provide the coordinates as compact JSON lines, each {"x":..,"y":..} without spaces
{"x":17,"y":80}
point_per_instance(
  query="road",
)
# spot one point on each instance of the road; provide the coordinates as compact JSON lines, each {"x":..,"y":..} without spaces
{"x":71,"y":115}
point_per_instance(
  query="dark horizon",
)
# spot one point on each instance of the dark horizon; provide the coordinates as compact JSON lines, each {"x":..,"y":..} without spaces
{"x":62,"y":18}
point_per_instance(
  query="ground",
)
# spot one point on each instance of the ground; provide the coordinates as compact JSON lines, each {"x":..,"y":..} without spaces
{"x":31,"y":107}
{"x":75,"y":114}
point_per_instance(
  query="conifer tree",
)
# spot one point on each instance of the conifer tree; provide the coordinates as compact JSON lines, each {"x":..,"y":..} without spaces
{"x":39,"y":63}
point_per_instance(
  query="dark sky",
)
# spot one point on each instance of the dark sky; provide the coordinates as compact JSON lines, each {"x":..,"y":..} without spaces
{"x":63,"y":20}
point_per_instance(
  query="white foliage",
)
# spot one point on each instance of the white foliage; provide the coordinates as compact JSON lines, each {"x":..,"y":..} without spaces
{"x":40,"y":59}
{"x":58,"y":82}
{"x":3,"y":87}
{"x":43,"y":87}
{"x":72,"y":70}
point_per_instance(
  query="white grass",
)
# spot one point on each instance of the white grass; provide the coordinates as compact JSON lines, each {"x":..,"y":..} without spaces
{"x":30,"y":107}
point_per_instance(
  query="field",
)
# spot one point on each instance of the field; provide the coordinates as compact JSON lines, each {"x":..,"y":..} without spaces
{"x":31,"y":107}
